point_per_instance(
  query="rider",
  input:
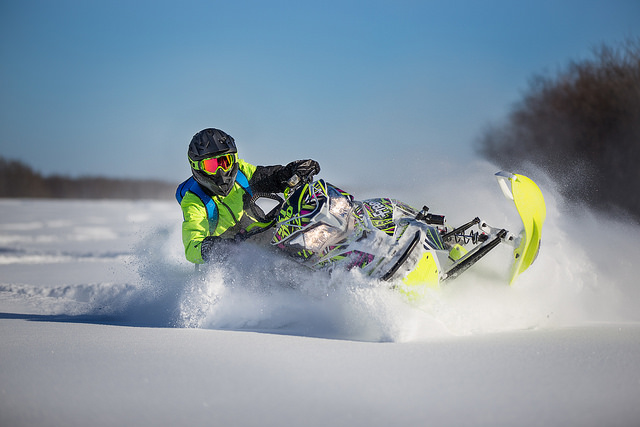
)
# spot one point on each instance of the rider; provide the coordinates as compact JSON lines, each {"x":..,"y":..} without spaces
{"x":216,"y":200}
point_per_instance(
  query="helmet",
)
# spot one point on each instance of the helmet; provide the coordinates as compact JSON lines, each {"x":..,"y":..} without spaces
{"x":210,"y":143}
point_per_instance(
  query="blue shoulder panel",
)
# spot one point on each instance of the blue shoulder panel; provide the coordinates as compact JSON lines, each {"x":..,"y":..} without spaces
{"x":212,"y":210}
{"x":241,"y":179}
{"x":192,"y":185}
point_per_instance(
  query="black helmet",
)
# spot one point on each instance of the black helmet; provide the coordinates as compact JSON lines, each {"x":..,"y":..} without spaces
{"x":212,"y":143}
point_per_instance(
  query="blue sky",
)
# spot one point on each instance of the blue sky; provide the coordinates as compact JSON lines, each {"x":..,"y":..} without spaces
{"x":117,"y":88}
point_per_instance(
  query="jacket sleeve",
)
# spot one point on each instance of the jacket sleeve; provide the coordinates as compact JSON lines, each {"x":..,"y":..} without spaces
{"x":195,"y":227}
{"x":270,"y":179}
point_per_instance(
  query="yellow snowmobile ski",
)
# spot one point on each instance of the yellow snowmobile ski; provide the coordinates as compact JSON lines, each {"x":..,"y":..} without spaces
{"x":530,"y":205}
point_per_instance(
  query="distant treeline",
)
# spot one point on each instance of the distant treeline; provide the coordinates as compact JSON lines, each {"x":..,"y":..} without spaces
{"x":20,"y":180}
{"x":582,"y":126}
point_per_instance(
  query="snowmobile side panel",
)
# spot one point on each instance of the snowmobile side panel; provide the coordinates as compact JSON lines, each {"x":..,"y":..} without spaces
{"x":425,"y":275}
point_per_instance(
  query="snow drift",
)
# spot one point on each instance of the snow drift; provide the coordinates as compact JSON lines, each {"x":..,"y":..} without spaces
{"x":122,"y":263}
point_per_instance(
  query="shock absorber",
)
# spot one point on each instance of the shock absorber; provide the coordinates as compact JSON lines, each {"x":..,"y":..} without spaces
{"x":473,"y":237}
{"x":459,"y":233}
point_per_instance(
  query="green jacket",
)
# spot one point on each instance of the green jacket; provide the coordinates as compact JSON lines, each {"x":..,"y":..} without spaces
{"x":234,"y":213}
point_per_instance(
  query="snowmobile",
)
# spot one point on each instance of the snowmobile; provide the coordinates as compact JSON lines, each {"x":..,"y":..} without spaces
{"x":324,"y":227}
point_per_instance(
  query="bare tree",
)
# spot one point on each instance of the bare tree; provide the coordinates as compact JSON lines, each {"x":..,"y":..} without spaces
{"x":19,"y":180}
{"x":582,"y":126}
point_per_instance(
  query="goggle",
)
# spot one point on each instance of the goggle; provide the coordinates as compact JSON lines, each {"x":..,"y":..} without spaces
{"x":211,"y":166}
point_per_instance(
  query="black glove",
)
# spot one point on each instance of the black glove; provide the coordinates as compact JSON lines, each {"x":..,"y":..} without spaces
{"x":305,"y":169}
{"x":214,"y":247}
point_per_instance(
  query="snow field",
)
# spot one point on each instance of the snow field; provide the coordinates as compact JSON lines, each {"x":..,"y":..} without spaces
{"x":104,"y":322}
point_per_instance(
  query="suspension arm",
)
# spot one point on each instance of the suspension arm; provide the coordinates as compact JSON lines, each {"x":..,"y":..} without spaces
{"x":474,"y":256}
{"x":403,"y":257}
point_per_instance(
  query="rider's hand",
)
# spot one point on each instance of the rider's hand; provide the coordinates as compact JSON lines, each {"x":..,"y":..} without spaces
{"x":305,"y":169}
{"x":214,"y":247}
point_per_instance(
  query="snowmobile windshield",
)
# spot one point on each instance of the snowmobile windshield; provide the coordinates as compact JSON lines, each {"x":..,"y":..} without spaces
{"x":314,"y":217}
{"x":332,"y":223}
{"x":339,"y":205}
{"x":317,"y":238}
